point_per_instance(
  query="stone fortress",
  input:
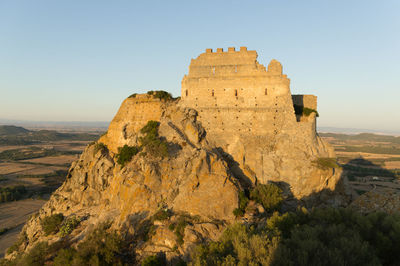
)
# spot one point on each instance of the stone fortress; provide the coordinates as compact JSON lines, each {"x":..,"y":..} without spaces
{"x":248,"y":111}
{"x":248,"y":114}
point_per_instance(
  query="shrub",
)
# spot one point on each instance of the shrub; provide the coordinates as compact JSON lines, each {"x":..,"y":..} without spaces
{"x":65,"y":257}
{"x":162,"y":95}
{"x":100,"y":147}
{"x":301,"y":110}
{"x":153,"y":261}
{"x":69,"y":225}
{"x":36,"y":256}
{"x":268,"y":195}
{"x":243,"y":201}
{"x":51,"y":224}
{"x":238,"y":245}
{"x":99,"y":248}
{"x":126,"y":153}
{"x":132,"y":95}
{"x":162,"y":215}
{"x":326,"y":163}
{"x":325,"y":236}
{"x":151,"y":140}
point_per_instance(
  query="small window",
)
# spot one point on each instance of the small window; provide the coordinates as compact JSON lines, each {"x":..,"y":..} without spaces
{"x":186,"y":92}
{"x":213,"y":70}
{"x":212,"y":93}
{"x":235,"y":92}
{"x":266,"y":91}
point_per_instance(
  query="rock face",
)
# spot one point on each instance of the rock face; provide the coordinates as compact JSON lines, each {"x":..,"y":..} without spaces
{"x":212,"y":155}
{"x":193,"y":180}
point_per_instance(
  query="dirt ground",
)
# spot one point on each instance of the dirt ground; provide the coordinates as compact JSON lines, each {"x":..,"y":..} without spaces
{"x":14,"y":215}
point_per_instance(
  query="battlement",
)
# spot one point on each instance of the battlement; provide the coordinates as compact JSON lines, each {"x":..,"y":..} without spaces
{"x":230,"y":50}
{"x":233,"y":78}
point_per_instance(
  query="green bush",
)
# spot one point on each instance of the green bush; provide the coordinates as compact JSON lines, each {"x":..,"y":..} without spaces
{"x":132,"y":95}
{"x":151,"y":141}
{"x":162,"y":215}
{"x":243,"y":201}
{"x":162,"y":95}
{"x":69,"y":225}
{"x":238,"y":245}
{"x":36,"y":256}
{"x":326,"y":163}
{"x":301,"y":110}
{"x":99,"y":248}
{"x":325,"y":236}
{"x":153,"y":261}
{"x":100,"y":147}
{"x":126,"y":153}
{"x":51,"y":224}
{"x":268,"y":195}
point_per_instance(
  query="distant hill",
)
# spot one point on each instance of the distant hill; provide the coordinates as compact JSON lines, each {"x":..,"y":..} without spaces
{"x":363,"y":136}
{"x":14,"y":135}
{"x":12,"y":130}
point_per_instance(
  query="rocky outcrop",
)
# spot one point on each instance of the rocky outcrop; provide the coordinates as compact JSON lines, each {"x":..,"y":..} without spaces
{"x":197,"y":184}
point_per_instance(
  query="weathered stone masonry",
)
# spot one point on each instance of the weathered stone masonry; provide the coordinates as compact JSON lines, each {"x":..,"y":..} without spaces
{"x":247,"y":109}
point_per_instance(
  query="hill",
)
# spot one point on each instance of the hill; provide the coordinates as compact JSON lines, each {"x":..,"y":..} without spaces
{"x":13,"y":135}
{"x":12,"y":130}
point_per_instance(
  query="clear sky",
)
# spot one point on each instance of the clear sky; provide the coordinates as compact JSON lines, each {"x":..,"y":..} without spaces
{"x":77,"y":60}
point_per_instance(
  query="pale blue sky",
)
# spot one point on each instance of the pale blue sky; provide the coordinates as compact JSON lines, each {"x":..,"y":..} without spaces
{"x":77,"y":60}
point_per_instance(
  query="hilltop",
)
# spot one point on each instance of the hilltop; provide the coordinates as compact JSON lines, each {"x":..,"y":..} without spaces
{"x":222,"y":174}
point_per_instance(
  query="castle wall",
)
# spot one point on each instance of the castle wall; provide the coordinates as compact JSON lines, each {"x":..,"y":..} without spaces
{"x":133,"y":114}
{"x":247,"y":110}
{"x":308,"y":101}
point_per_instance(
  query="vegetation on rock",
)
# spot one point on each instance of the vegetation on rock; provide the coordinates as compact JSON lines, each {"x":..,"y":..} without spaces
{"x":301,"y":110}
{"x":320,"y":237}
{"x":153,"y":261}
{"x":100,"y":147}
{"x":69,"y":225}
{"x":326,"y":163}
{"x":151,"y":142}
{"x":126,"y":153}
{"x":52,"y":224}
{"x":162,"y":95}
{"x":243,"y":201}
{"x":268,"y":195}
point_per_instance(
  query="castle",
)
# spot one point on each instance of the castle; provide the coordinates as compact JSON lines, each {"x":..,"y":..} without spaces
{"x":233,"y":92}
{"x":247,"y":109}
{"x":248,"y":114}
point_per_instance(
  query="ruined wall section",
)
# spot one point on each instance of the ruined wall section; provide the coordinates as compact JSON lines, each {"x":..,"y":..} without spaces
{"x":133,"y":114}
{"x":234,"y":94}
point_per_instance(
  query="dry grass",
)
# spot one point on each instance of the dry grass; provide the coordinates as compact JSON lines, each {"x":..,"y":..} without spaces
{"x":392,"y":165}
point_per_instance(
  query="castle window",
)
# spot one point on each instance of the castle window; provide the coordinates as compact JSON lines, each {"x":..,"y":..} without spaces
{"x":236,"y":93}
{"x":235,"y":69}
{"x":213,"y":70}
{"x":186,"y":92}
{"x":212,"y":93}
{"x":266,"y":92}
